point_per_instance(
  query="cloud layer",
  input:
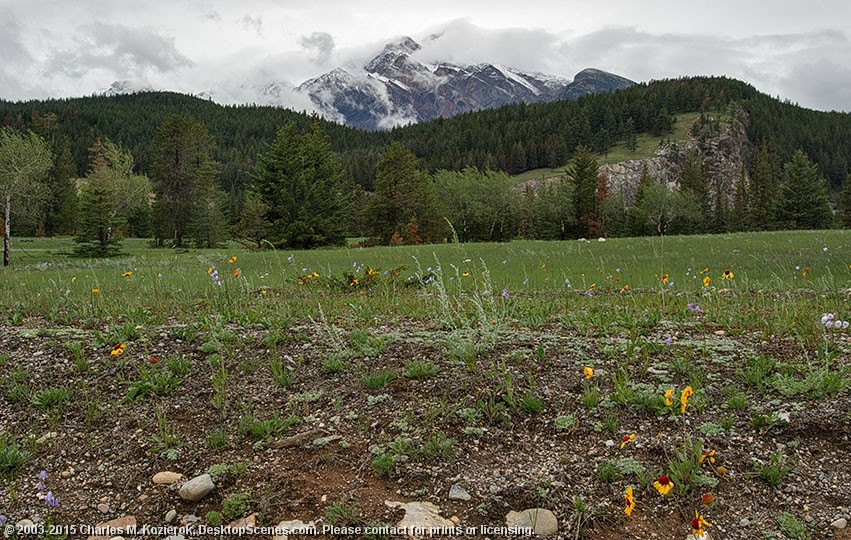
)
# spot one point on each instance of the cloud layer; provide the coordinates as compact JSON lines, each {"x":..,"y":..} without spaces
{"x":235,"y":51}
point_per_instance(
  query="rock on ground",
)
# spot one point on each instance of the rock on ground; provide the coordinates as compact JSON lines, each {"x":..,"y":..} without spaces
{"x":540,"y":520}
{"x":197,"y":488}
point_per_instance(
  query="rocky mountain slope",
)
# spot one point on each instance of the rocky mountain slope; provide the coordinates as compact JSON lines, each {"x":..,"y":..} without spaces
{"x":394,"y":88}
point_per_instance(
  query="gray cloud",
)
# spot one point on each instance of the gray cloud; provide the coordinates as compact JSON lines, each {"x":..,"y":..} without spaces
{"x":212,"y":15}
{"x":320,"y":45}
{"x":119,"y":49}
{"x":254,"y":24}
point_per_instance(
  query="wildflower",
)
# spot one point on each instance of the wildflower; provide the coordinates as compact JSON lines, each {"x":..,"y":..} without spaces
{"x":40,"y":486}
{"x":664,"y":279}
{"x":42,"y":475}
{"x":694,"y":308}
{"x":526,"y":281}
{"x":706,"y":281}
{"x":687,"y":393}
{"x":630,"y":501}
{"x":353,"y":283}
{"x":264,"y":292}
{"x":95,"y":291}
{"x":236,"y":273}
{"x":127,"y":274}
{"x":50,"y":500}
{"x":627,"y":439}
{"x":465,"y":274}
{"x":73,"y":279}
{"x":159,"y":276}
{"x":543,"y":266}
{"x":505,"y":261}
{"x":371,"y":271}
{"x":824,"y":249}
{"x":118,"y":349}
{"x":669,"y":340}
{"x":588,"y":371}
{"x":592,"y":287}
{"x":232,"y":260}
{"x":589,"y":293}
{"x":669,"y":393}
{"x":697,"y":525}
{"x":705,"y":270}
{"x":210,"y":270}
{"x":153,"y":360}
{"x":721,"y":471}
{"x":505,"y":293}
{"x":624,"y":288}
{"x":728,"y":274}
{"x":663,"y":485}
{"x":806,"y":271}
{"x":708,"y":454}
{"x":707,"y":499}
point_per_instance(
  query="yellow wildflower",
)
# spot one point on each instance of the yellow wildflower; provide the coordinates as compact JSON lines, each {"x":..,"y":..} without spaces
{"x":629,"y":498}
{"x":687,"y":393}
{"x":697,"y":525}
{"x":728,"y":274}
{"x":663,"y":485}
{"x":627,"y":439}
{"x":708,"y":454}
{"x":669,"y":393}
{"x":95,"y":291}
{"x":232,"y":260}
{"x":664,"y":279}
{"x":706,"y":281}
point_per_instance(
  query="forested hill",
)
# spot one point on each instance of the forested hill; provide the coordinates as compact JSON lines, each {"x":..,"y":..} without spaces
{"x":514,"y":138}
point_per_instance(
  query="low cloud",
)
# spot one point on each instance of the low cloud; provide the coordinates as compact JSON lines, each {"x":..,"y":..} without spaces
{"x":124,"y":51}
{"x":254,"y":24}
{"x":320,"y":46}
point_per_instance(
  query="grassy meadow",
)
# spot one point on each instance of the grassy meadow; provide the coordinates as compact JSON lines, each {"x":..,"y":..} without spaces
{"x":316,"y":385}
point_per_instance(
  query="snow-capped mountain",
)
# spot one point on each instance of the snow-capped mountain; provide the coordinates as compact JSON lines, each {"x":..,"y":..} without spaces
{"x":394,"y":88}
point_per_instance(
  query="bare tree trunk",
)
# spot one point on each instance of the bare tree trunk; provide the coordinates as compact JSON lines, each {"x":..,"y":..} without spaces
{"x":7,"y":240}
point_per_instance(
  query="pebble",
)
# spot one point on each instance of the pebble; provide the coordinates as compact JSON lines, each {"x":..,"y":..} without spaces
{"x":118,"y":523}
{"x":197,"y":488}
{"x":421,"y":515}
{"x":171,"y":515}
{"x":457,"y":493}
{"x":293,"y":527}
{"x":745,"y":522}
{"x":839,"y":524}
{"x":167,"y":477}
{"x":103,"y":508}
{"x":540,"y":520}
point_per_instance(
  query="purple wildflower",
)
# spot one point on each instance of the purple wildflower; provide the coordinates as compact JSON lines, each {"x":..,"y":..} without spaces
{"x":42,"y":475}
{"x":505,"y":293}
{"x":50,"y":500}
{"x":39,"y":486}
{"x":669,"y":340}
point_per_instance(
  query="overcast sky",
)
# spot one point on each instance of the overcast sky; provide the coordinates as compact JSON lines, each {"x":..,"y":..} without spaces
{"x":55,"y":48}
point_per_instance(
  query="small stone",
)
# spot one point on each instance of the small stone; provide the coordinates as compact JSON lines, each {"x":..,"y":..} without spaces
{"x":167,"y":477}
{"x":197,"y":488}
{"x":67,"y":474}
{"x":170,"y":515}
{"x":720,"y":333}
{"x":839,"y":524}
{"x":116,"y":525}
{"x":610,"y":443}
{"x":540,"y":520}
{"x":658,"y":372}
{"x":457,"y":493}
{"x":103,"y":508}
{"x":294,"y":527}
{"x":745,"y":522}
{"x":420,"y":516}
{"x":244,"y":524}
{"x":46,"y":437}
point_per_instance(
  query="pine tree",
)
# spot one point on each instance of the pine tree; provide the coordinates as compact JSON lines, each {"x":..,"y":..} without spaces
{"x":741,"y":200}
{"x":637,"y":222}
{"x":804,"y":202}
{"x":252,"y":225}
{"x":693,"y":183}
{"x":583,"y":174}
{"x":403,"y":190}
{"x":845,"y":203}
{"x":301,"y":182}
{"x":763,"y":189}
{"x":184,"y":172}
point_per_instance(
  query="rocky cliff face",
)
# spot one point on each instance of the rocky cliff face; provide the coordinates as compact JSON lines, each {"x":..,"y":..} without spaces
{"x":721,"y":145}
{"x":394,"y":88}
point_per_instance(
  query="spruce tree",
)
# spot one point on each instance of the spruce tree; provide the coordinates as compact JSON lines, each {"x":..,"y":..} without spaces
{"x":583,"y":174}
{"x":845,"y":204}
{"x":804,"y":202}
{"x":301,"y":182}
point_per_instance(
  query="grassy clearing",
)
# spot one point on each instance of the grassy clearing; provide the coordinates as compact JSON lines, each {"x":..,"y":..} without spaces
{"x":646,"y":146}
